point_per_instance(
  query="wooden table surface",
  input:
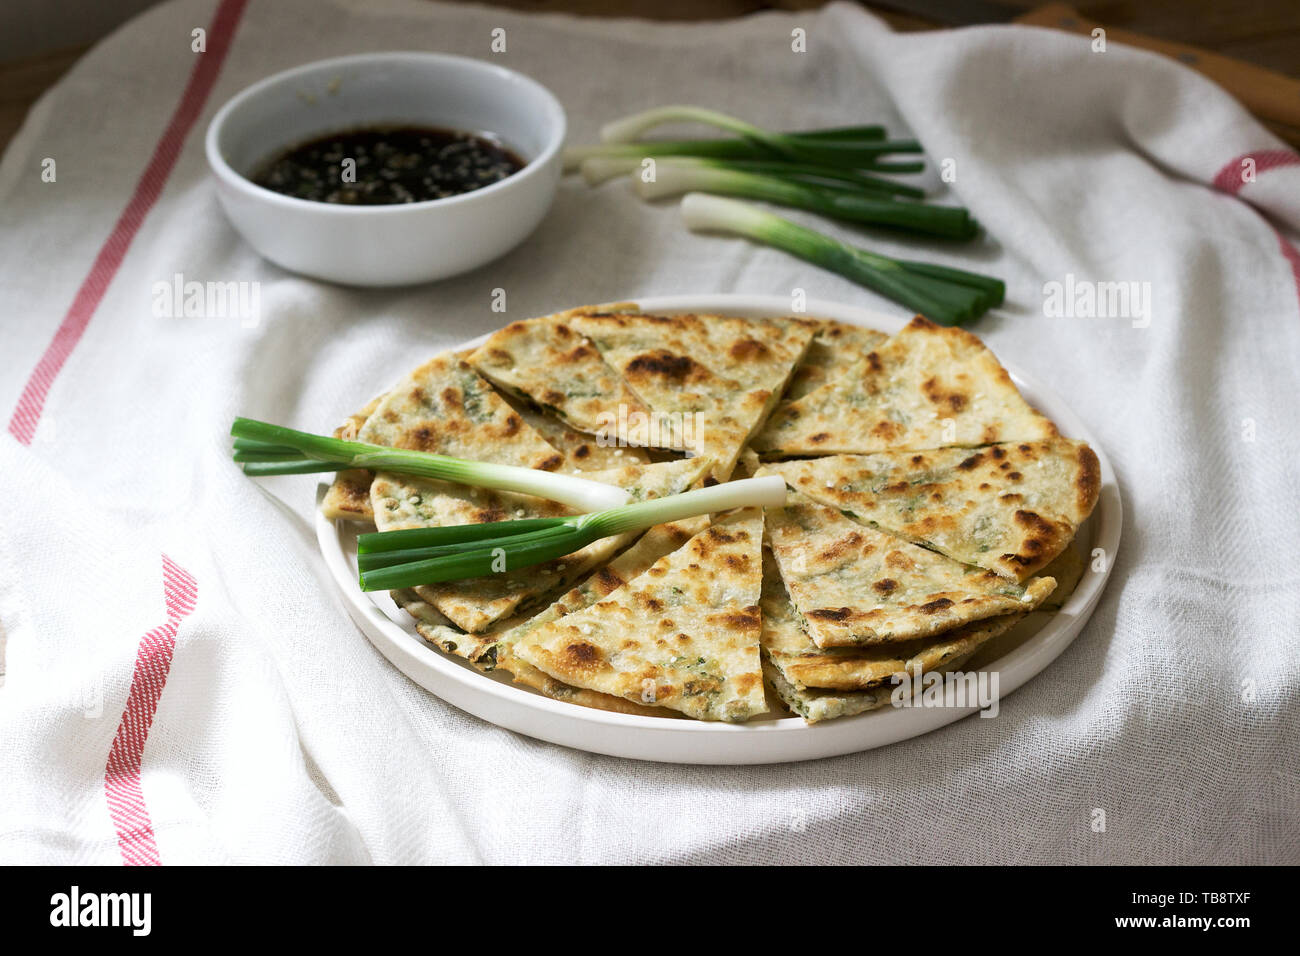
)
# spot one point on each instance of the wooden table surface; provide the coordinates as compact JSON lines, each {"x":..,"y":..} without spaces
{"x":1264,"y":32}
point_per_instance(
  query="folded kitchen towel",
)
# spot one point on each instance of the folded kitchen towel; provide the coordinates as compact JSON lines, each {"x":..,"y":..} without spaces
{"x":183,"y":684}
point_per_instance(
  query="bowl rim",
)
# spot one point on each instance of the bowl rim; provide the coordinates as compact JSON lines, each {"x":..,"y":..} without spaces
{"x":557,"y":121}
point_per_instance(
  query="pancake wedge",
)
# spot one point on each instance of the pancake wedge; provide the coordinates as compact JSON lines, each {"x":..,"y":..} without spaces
{"x":657,"y":542}
{"x":1010,"y":508}
{"x":348,"y":497}
{"x":490,"y":648}
{"x":853,"y":585}
{"x":582,"y":452}
{"x":635,"y":561}
{"x":803,"y":664}
{"x":473,"y":605}
{"x":441,"y":633}
{"x":444,"y":407}
{"x":529,"y":676}
{"x":815,"y":705}
{"x":683,"y":635}
{"x":835,"y":349}
{"x":546,"y":361}
{"x":436,"y":629}
{"x":927,"y":387}
{"x":710,"y":381}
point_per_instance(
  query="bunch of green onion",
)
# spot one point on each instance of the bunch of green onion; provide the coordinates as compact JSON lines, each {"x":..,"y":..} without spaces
{"x":401,"y":559}
{"x":942,"y":294}
{"x":411,"y":557}
{"x":839,"y":173}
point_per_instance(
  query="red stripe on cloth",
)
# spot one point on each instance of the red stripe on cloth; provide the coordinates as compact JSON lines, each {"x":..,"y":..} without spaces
{"x":27,"y":414}
{"x":153,"y":661}
{"x":1229,"y":180}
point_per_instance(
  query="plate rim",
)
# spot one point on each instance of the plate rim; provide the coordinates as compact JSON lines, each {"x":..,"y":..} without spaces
{"x":402,"y":646}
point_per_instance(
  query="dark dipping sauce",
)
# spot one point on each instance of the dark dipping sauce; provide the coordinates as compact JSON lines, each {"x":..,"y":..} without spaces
{"x":393,"y":164}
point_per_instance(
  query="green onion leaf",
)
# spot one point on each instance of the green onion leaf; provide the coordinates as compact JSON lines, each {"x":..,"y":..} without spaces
{"x":476,"y":562}
{"x":301,"y":466}
{"x":601,"y":168}
{"x":372,"y":560}
{"x":407,"y":538}
{"x":839,"y":132}
{"x":835,"y":149}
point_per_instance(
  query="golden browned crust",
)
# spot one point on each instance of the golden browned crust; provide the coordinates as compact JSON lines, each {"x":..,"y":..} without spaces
{"x":1088,"y":482}
{"x":348,"y":497}
{"x":835,"y":349}
{"x":683,"y":635}
{"x":446,"y":408}
{"x":526,"y":675}
{"x":548,"y":362}
{"x":711,"y":380}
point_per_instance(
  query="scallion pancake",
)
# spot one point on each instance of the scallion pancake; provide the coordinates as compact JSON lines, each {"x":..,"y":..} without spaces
{"x":548,"y":363}
{"x":853,"y":585}
{"x":710,"y":381}
{"x":1010,"y":508}
{"x":835,"y":349}
{"x":446,"y":408}
{"x":632,"y":563}
{"x":803,"y":664}
{"x":927,"y":387}
{"x":683,"y":635}
{"x":815,"y":705}
{"x":348,"y":497}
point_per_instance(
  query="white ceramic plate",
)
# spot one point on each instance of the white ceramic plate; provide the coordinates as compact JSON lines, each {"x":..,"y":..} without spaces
{"x":762,"y":740}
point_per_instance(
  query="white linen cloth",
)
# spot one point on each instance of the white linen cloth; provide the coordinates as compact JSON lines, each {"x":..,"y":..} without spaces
{"x":281,"y":735}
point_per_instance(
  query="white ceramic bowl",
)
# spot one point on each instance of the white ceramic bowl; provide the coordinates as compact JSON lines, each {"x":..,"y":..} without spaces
{"x":395,"y":244}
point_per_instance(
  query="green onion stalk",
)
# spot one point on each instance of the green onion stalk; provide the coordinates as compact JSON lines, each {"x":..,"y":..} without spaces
{"x":945,"y":295}
{"x":949,"y":222}
{"x":265,"y":449}
{"x":390,"y":560}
